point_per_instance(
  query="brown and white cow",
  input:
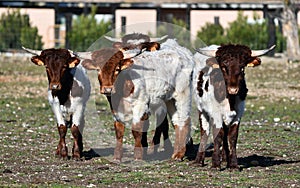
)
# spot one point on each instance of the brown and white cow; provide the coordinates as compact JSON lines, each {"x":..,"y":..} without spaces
{"x":220,"y":92}
{"x":136,"y":84}
{"x":143,"y":42}
{"x":68,"y":91}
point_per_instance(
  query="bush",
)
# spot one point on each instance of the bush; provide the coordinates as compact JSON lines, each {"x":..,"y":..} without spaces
{"x":16,"y":30}
{"x":254,"y":35}
{"x":212,"y":34}
{"x":86,"y":30}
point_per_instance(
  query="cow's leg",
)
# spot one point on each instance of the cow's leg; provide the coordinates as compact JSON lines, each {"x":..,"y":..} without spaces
{"x":232,"y":140}
{"x":144,"y":140}
{"x":161,"y":127}
{"x":78,"y":145}
{"x":225,"y":149}
{"x":218,"y":134}
{"x":76,"y":126}
{"x":165,"y":132}
{"x":156,"y":140}
{"x":204,"y":131}
{"x":181,"y":134}
{"x":119,"y":130}
{"x":137,"y":131}
{"x":177,"y":111}
{"x":62,"y":150}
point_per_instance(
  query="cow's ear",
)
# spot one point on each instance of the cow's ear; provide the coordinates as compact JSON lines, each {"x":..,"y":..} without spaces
{"x":154,"y":46}
{"x":73,"y":62}
{"x":89,"y":64}
{"x":126,"y":63}
{"x":255,"y":62}
{"x":37,"y":60}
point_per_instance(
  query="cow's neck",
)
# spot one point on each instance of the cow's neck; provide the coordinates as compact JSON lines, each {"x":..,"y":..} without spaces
{"x":66,"y":86}
{"x":242,"y":94}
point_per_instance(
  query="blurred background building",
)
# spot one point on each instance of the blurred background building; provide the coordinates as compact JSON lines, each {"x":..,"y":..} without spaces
{"x":53,"y":18}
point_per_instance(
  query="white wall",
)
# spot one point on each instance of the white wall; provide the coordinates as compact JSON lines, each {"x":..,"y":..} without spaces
{"x":143,"y":21}
{"x":44,"y":20}
{"x":200,"y":17}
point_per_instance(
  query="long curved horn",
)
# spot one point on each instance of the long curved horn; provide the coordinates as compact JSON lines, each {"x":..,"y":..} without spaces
{"x":158,"y":39}
{"x":131,"y":53}
{"x":209,"y":51}
{"x":82,"y":55}
{"x":256,"y":53}
{"x":34,"y":52}
{"x":113,"y":39}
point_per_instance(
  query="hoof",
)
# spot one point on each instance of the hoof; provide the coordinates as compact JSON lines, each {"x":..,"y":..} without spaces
{"x":177,"y":157}
{"x":117,"y":161}
{"x":62,"y":153}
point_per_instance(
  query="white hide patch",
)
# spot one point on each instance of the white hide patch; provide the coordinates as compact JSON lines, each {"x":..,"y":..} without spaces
{"x":75,"y":105}
{"x":217,"y":111}
{"x":159,"y":76}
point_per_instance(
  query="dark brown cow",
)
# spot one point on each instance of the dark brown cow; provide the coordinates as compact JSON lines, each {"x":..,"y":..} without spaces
{"x":68,"y":91}
{"x":220,"y":92}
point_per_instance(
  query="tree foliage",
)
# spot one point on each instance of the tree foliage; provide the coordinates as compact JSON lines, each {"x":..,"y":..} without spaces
{"x":16,"y":30}
{"x":176,"y":29}
{"x":254,"y":35}
{"x":86,"y":30}
{"x":212,"y":34}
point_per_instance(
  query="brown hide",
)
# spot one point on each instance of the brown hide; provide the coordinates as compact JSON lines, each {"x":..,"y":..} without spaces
{"x":109,"y":62}
{"x":216,"y":80}
{"x":232,"y":60}
{"x":135,"y":36}
{"x":136,"y":41}
{"x":147,"y":46}
{"x":58,"y":64}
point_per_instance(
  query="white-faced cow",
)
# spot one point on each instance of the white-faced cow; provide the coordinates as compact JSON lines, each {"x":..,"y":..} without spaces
{"x":138,"y":83}
{"x":220,"y":92}
{"x":68,"y":91}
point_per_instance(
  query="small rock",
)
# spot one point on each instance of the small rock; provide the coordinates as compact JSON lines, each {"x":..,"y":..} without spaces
{"x":91,"y":185}
{"x":276,"y":120}
{"x":284,"y":155}
{"x":287,"y":128}
{"x":65,"y":178}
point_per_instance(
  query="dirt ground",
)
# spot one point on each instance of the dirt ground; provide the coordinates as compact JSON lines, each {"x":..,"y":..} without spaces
{"x":268,"y":148}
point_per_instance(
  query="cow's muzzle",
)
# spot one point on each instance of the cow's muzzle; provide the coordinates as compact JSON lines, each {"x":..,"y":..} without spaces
{"x":107,"y":90}
{"x":55,"y":86}
{"x":233,"y":90}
